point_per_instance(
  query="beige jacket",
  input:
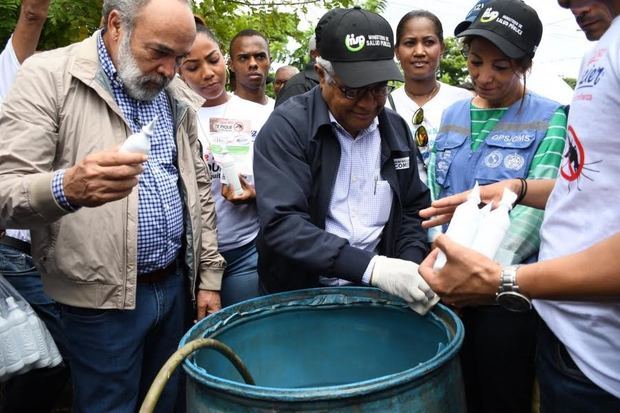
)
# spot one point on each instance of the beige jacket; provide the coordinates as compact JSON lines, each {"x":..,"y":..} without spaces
{"x":60,"y":110}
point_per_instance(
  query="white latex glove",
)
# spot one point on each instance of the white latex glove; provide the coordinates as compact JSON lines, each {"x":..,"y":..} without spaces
{"x":401,"y":278}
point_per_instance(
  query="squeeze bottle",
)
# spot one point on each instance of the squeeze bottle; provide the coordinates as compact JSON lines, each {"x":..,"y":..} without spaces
{"x":464,"y":224}
{"x":494,"y":226}
{"x":140,"y":142}
{"x":229,"y":170}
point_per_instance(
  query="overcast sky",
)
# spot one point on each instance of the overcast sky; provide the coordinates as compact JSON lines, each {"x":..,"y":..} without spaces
{"x":562,"y":44}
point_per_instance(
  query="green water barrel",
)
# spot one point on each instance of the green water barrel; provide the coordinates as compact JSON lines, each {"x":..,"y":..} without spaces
{"x":346,"y":349}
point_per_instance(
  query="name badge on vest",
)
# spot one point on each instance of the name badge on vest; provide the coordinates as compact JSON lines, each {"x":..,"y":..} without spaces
{"x":401,"y":163}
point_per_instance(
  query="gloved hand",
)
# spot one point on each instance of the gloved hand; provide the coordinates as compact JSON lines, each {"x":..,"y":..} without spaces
{"x":400,"y":277}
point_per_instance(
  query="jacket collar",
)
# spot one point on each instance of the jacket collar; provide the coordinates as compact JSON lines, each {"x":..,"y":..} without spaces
{"x":87,"y":68}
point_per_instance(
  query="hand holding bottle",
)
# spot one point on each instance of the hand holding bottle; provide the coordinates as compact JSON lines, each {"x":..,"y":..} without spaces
{"x":248,"y":192}
{"x":102,"y":177}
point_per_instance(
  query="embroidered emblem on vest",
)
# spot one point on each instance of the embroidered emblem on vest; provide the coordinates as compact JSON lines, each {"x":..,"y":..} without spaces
{"x":514,"y":161}
{"x":494,"y":159}
{"x":442,"y":166}
{"x":401,"y":163}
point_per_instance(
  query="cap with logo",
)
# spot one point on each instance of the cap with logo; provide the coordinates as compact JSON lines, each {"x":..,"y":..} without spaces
{"x":360,"y":46}
{"x":511,"y":25}
{"x":471,"y":16}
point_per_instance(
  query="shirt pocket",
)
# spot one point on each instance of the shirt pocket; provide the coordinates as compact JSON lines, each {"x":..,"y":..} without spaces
{"x":505,"y":157}
{"x":380,"y":205}
{"x":445,"y":149}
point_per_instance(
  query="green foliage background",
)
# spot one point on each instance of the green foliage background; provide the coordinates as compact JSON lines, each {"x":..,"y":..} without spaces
{"x":280,"y":20}
{"x":68,"y":21}
{"x":453,"y":65}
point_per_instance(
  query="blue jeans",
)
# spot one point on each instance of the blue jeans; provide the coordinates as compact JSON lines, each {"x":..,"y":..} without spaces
{"x":118,"y":353}
{"x":497,"y":358}
{"x":47,"y":384}
{"x":240,"y":281}
{"x":563,"y":387}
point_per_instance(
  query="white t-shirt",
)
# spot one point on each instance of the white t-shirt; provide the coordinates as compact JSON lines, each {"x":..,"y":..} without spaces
{"x":269,"y":105}
{"x":583,"y":210}
{"x":236,"y":224}
{"x":433,"y":109}
{"x":8,"y":69}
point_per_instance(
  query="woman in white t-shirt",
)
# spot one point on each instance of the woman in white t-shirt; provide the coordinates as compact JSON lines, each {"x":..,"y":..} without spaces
{"x":204,"y":71}
{"x":421,"y":101}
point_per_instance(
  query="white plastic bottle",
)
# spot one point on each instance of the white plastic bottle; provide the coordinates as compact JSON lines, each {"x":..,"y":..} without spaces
{"x":493,"y":227}
{"x":463,"y":225}
{"x":229,"y":170}
{"x":39,"y":337}
{"x":54,"y":354}
{"x":12,"y":356}
{"x":140,"y":142}
{"x":20,"y":329}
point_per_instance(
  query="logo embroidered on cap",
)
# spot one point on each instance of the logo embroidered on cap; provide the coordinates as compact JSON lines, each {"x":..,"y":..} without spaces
{"x":489,"y":15}
{"x":354,"y":43}
{"x":401,"y":163}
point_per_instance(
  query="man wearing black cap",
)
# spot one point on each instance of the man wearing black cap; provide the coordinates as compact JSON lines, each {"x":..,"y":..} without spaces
{"x":337,"y":185}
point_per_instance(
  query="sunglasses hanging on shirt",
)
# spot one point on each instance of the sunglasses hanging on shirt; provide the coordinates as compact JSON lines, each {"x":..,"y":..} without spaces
{"x":420,"y":135}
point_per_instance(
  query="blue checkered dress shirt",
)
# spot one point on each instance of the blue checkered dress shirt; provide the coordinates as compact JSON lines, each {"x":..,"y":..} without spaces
{"x":160,"y":210}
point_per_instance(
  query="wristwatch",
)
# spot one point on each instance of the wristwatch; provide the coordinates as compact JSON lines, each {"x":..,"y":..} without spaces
{"x":508,"y":295}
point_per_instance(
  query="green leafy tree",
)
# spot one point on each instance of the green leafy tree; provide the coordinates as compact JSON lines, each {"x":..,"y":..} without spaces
{"x":453,"y":65}
{"x":572,"y":82}
{"x":68,"y":21}
{"x":279,"y":20}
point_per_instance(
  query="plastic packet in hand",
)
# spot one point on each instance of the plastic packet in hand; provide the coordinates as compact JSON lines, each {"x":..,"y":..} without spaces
{"x":493,"y":226}
{"x":464,"y":224}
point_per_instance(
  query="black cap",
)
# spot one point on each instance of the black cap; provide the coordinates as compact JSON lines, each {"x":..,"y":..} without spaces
{"x":471,"y":16}
{"x":360,"y":45}
{"x":511,"y":25}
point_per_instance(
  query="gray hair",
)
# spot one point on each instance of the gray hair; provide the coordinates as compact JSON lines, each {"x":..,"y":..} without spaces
{"x":128,"y":10}
{"x":312,"y":43}
{"x":327,"y":66}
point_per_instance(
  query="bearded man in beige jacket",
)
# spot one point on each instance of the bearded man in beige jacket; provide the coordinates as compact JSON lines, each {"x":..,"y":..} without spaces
{"x":119,"y":238}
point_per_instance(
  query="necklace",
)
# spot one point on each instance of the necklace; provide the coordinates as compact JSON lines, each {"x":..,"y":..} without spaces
{"x":427,"y":96}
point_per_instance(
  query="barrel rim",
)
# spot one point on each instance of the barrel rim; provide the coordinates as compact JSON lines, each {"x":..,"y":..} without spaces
{"x":439,"y":313}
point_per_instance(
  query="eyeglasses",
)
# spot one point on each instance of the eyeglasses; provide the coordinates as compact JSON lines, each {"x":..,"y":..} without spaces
{"x":420,"y":135}
{"x":379,"y":91}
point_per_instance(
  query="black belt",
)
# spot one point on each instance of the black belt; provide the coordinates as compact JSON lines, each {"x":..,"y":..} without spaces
{"x":158,"y":275}
{"x":19,"y":245}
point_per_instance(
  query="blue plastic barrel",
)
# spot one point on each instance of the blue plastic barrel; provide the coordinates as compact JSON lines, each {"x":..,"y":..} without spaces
{"x":346,"y":349}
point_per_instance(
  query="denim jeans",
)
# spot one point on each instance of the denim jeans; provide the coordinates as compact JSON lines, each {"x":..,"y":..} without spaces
{"x":118,"y":353}
{"x":498,"y":357}
{"x":240,"y":281}
{"x":563,"y":387}
{"x":47,"y":384}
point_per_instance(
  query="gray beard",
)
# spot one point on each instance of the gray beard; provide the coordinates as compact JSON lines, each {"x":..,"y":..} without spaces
{"x":137,"y":84}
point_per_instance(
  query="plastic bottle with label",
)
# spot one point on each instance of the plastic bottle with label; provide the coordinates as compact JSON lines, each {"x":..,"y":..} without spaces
{"x":140,"y":142}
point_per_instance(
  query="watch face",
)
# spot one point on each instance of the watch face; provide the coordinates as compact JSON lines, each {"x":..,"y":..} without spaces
{"x":513,"y":301}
